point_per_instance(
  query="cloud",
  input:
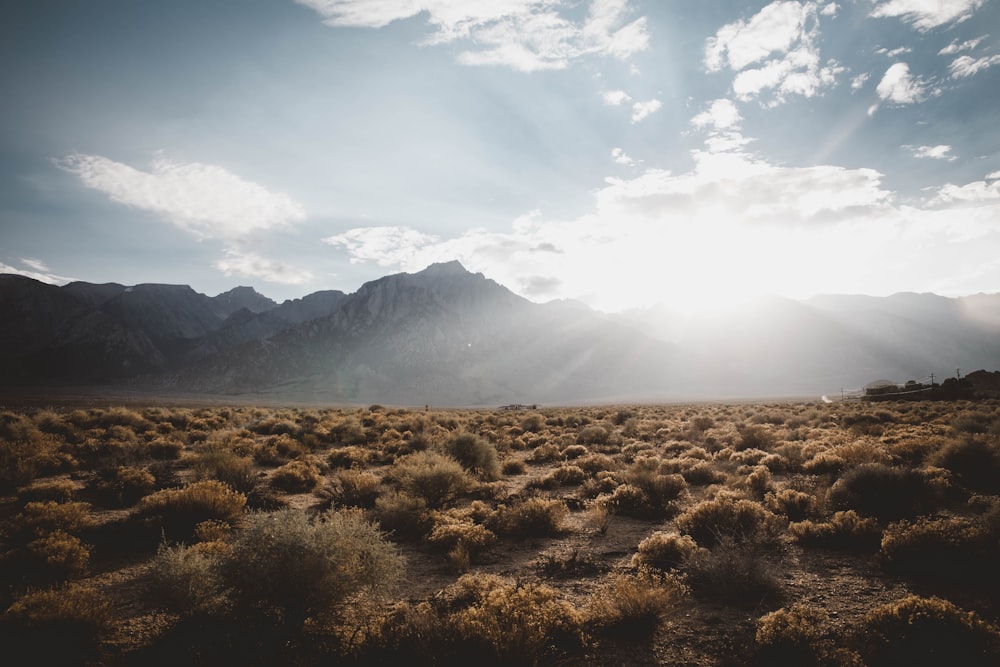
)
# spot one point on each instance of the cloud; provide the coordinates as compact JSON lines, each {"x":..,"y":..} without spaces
{"x":940,"y":152}
{"x":959,"y":47}
{"x":642,"y":110}
{"x":858,"y":82}
{"x":970,"y":193}
{"x":780,"y":43}
{"x":898,"y":87}
{"x":894,"y":52}
{"x":616,"y":98}
{"x":205,"y":200}
{"x":240,"y":262}
{"x":965,"y":66}
{"x":927,"y":14}
{"x":37,"y":270}
{"x":525,"y":35}
{"x":721,"y":114}
{"x":386,"y":246}
{"x":621,"y":157}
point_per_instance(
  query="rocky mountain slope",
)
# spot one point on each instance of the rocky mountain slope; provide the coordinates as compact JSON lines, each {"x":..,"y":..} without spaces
{"x":445,"y":336}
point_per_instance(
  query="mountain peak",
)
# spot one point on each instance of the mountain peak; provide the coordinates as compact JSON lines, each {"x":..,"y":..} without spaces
{"x":452,"y":268}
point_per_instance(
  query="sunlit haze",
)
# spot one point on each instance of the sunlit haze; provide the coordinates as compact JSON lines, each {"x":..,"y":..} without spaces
{"x":618,"y":153}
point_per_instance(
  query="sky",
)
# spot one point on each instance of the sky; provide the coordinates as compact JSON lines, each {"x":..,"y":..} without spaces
{"x":616,"y":152}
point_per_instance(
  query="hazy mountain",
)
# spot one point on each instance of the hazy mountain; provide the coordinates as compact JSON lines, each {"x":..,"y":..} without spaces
{"x":446,"y":336}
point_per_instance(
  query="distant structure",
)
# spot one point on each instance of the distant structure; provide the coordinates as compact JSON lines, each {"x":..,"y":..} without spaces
{"x":514,"y":407}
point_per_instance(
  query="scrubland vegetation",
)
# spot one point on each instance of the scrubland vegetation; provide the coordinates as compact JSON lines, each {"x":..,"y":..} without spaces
{"x":780,"y":534}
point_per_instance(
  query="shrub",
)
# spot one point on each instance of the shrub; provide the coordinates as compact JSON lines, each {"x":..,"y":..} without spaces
{"x":948,"y":549}
{"x":237,"y":472}
{"x":633,"y":604}
{"x":844,"y":530}
{"x":406,"y":516}
{"x":545,"y":454}
{"x":42,"y":517}
{"x":180,"y":510}
{"x":665,"y":551}
{"x":710,"y":521}
{"x":475,"y":454}
{"x":533,"y":517}
{"x":513,"y":467}
{"x":451,"y":531}
{"x":755,"y":437}
{"x":59,"y":490}
{"x":511,"y":623}
{"x":289,"y":567}
{"x":59,"y":555}
{"x":356,"y":488}
{"x":61,"y":626}
{"x":431,"y":476}
{"x":735,"y":571}
{"x":296,"y":477}
{"x":975,"y":461}
{"x":165,"y":448}
{"x":593,"y":435}
{"x":928,"y":631}
{"x":884,"y":492}
{"x":184,"y":580}
{"x":796,"y":505}
{"x":790,"y":636}
{"x":702,"y":474}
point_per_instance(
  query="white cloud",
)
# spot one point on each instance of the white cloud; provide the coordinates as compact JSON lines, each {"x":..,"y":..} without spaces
{"x":939,"y":152}
{"x":970,"y":193}
{"x":385,"y":246}
{"x":621,"y":157}
{"x":959,"y":47}
{"x":965,"y":66}
{"x":37,"y":270}
{"x":780,"y":43}
{"x":642,"y":110}
{"x":205,"y":200}
{"x":721,"y":114}
{"x":926,"y":14}
{"x":616,"y":98}
{"x":993,"y":176}
{"x":858,"y":82}
{"x":526,"y":35}
{"x":238,"y":261}
{"x":898,"y":87}
{"x":829,"y":9}
{"x":894,"y":52}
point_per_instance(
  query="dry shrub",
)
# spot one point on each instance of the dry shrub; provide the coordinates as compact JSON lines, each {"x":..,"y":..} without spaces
{"x":405,"y":516}
{"x":452,"y":529}
{"x":884,"y":492}
{"x":703,"y":473}
{"x":594,"y":464}
{"x":60,"y":626}
{"x":434,"y":477}
{"x":42,"y":517}
{"x":514,"y":467}
{"x":593,"y":435}
{"x":755,"y":437}
{"x":475,"y":454}
{"x":664,"y":550}
{"x":165,"y":448}
{"x":545,"y":454}
{"x":289,"y":567}
{"x":599,"y":513}
{"x":59,"y":556}
{"x":736,"y":571}
{"x":356,"y":488}
{"x":795,"y":505}
{"x":844,"y":530}
{"x":975,"y":461}
{"x":180,"y":510}
{"x":564,"y":475}
{"x":532,"y":517}
{"x":183,"y":580}
{"x":928,"y":631}
{"x":515,"y":624}
{"x":758,"y":482}
{"x":237,"y":472}
{"x":633,"y":604}
{"x":710,"y":521}
{"x":297,"y":476}
{"x":57,"y":490}
{"x":943,"y":549}
{"x":573,"y":452}
{"x":790,"y":636}
{"x":348,"y":457}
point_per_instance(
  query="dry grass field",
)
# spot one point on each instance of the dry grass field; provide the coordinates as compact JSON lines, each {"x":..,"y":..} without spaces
{"x":768,"y":534}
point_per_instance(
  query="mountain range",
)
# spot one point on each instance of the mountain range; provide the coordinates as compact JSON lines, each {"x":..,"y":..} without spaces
{"x":445,"y":336}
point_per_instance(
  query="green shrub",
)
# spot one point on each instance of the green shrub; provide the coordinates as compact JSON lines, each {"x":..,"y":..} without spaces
{"x":665,"y":551}
{"x":290,"y":567}
{"x":928,"y":631}
{"x":633,"y":604}
{"x":431,"y":476}
{"x":475,"y":454}
{"x":178,"y":511}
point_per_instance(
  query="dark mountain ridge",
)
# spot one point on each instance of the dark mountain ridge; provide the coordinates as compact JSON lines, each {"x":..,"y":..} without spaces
{"x":446,"y":336}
